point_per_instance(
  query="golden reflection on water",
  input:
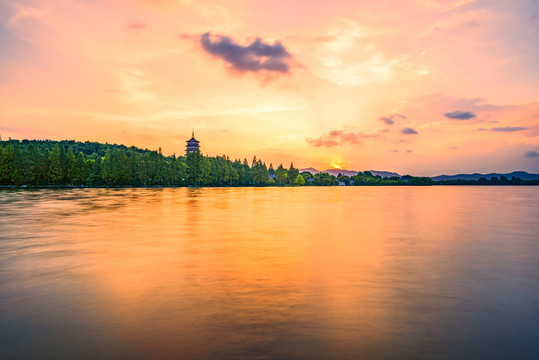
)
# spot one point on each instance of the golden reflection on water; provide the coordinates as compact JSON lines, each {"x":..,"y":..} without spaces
{"x":262,"y":272}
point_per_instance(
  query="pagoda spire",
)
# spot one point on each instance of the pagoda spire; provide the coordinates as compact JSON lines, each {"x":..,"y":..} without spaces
{"x":192,"y":144}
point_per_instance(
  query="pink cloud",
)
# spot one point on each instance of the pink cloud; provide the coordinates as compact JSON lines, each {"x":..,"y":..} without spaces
{"x":136,"y":25}
{"x":336,"y":137}
{"x":322,"y":142}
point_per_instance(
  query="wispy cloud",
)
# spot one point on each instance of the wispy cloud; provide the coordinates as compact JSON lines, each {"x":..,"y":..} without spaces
{"x":531,"y":154}
{"x":365,"y":64}
{"x":181,"y":113}
{"x":26,"y":13}
{"x":508,"y":129}
{"x":6,"y":132}
{"x":15,"y":130}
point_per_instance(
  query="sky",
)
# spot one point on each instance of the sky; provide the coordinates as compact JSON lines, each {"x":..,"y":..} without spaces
{"x":421,"y":87}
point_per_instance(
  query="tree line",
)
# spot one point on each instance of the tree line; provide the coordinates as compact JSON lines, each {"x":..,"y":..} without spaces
{"x":72,"y":163}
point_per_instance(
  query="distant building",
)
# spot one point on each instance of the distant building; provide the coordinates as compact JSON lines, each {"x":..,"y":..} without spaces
{"x":192,"y":144}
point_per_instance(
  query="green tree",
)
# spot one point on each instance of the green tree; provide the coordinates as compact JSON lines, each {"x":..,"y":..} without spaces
{"x":306,"y":176}
{"x":30,"y":161}
{"x":80,"y":171}
{"x":247,"y":176}
{"x":179,"y":171}
{"x":198,"y":168}
{"x":271,"y":171}
{"x":63,"y":162}
{"x":141,"y":172}
{"x":55,"y":167}
{"x":43,"y":166}
{"x":292,"y":174}
{"x":17,"y":174}
{"x":259,"y":172}
{"x":108,"y":174}
{"x":281,"y":174}
{"x":300,"y":180}
{"x":6,"y":164}
{"x":324,"y":179}
{"x":70,"y":165}
{"x":344,"y":179}
{"x":121,"y":166}
{"x":95,"y":169}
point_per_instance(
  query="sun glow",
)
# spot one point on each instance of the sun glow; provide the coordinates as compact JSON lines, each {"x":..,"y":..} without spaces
{"x":336,"y":165}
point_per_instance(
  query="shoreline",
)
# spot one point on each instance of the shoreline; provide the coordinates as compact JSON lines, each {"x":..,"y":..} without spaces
{"x":34,"y":187}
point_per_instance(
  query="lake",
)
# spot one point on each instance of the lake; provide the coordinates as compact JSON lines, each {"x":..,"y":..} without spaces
{"x":270,"y":273}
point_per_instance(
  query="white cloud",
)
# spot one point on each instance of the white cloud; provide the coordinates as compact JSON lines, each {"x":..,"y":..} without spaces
{"x":349,"y":59}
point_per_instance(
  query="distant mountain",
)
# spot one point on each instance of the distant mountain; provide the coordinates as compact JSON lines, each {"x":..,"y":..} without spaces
{"x":310,"y":170}
{"x":518,"y":174}
{"x":336,"y":172}
{"x":384,"y":173}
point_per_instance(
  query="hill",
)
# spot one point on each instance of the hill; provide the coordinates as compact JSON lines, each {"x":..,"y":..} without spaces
{"x":336,"y":172}
{"x":517,"y":174}
{"x":90,"y":149}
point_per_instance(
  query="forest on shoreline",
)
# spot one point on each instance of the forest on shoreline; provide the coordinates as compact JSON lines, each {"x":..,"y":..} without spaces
{"x":47,"y":163}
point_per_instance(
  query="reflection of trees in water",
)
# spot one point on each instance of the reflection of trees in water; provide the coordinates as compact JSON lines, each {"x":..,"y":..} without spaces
{"x":107,"y":199}
{"x":192,"y":212}
{"x":194,"y":192}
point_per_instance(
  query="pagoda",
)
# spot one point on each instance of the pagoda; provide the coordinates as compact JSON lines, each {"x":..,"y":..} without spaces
{"x":192,"y":144}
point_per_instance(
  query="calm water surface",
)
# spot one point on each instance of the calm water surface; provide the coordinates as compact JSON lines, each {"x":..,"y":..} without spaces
{"x":270,"y":273}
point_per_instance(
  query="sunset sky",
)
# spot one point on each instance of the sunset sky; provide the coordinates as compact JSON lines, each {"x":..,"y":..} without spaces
{"x":421,"y":87}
